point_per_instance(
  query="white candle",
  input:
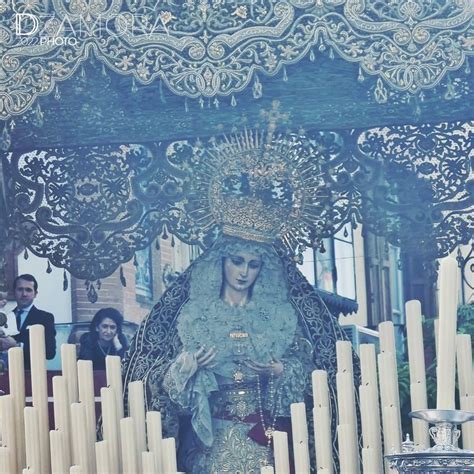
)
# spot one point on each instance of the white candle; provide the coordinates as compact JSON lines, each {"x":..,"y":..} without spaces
{"x":348,"y":459}
{"x":62,"y":416}
{"x":110,"y":425}
{"x":32,"y":439}
{"x":464,"y":365}
{"x":103,"y":458}
{"x":344,"y":356}
{"x":416,"y":359}
{"x":58,"y":459}
{"x":299,"y":430}
{"x":467,"y":404}
{"x":69,"y":370}
{"x":320,"y":388}
{"x":389,"y":352}
{"x":148,"y":463}
{"x":322,"y":419}
{"x":370,"y":419}
{"x":76,"y":470}
{"x":346,"y":400}
{"x":366,"y":413}
{"x":128,"y":446}
{"x":448,"y":302}
{"x":323,"y":438}
{"x":39,"y":390}
{"x":393,"y":437}
{"x":114,"y":380}
{"x":281,"y":453}
{"x":6,"y":460}
{"x":368,"y":365}
{"x":267,"y":470}
{"x":388,"y":375}
{"x":389,"y":400}
{"x":136,"y":410}
{"x":466,"y":385}
{"x":369,"y":404}
{"x":8,"y":429}
{"x":436,"y":335}
{"x":16,"y":377}
{"x":418,"y":397}
{"x":386,"y":379}
{"x":85,"y":377}
{"x":371,"y":461}
{"x":387,"y":337}
{"x":79,"y":436}
{"x":154,"y":435}
{"x":168,"y":449}
{"x":416,"y":355}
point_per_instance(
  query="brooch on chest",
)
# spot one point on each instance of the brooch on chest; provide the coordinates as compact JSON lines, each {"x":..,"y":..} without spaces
{"x":238,"y":336}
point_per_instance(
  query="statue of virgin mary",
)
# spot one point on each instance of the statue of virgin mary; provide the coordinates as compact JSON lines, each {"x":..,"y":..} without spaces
{"x":232,"y":343}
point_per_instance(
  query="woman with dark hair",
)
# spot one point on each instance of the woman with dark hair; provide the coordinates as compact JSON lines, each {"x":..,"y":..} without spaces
{"x":104,"y":338}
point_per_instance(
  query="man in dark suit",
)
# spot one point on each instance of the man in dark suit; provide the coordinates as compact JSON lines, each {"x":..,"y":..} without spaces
{"x":25,"y":288}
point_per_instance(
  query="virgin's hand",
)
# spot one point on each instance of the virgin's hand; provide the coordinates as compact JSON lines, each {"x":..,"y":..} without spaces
{"x":204,"y":358}
{"x":275,"y":367}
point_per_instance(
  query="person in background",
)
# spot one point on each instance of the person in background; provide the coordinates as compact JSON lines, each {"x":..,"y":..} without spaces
{"x":104,"y":338}
{"x":25,"y":289}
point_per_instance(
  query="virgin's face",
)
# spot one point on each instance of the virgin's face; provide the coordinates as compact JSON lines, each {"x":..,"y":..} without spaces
{"x":107,"y":329}
{"x":241,"y":270}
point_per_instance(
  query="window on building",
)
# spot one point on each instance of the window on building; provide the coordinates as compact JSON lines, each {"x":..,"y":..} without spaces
{"x":334,"y":269}
{"x":345,"y":264}
{"x":396,"y":285}
{"x":144,"y":275}
{"x":326,"y":276}
{"x":308,"y":268}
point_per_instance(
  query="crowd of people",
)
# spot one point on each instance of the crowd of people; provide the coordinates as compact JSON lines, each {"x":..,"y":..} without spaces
{"x":105,"y":336}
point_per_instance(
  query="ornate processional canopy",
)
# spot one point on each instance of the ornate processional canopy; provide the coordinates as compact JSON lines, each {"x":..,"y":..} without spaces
{"x":113,"y":108}
{"x":214,"y":48}
{"x":89,"y":209}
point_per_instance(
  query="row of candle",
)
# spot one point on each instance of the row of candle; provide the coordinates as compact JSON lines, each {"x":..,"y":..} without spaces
{"x":449,"y":348}
{"x":130,"y":445}
{"x":129,"y":435}
{"x":134,"y":444}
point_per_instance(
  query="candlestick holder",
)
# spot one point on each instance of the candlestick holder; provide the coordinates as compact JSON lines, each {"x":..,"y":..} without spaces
{"x":444,"y":457}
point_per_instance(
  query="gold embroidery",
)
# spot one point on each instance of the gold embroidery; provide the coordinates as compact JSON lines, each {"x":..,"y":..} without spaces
{"x":238,"y":335}
{"x":235,"y":452}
